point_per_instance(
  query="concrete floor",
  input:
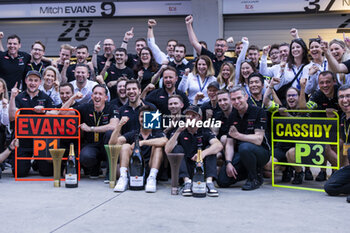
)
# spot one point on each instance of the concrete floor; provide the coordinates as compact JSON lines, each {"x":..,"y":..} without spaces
{"x":36,"y":206}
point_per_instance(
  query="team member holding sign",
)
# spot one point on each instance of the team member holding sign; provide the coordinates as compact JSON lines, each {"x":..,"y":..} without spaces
{"x":339,"y":182}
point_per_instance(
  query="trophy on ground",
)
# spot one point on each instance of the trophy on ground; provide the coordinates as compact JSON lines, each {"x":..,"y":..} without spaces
{"x":175,"y":161}
{"x":113,"y":155}
{"x":57,"y":155}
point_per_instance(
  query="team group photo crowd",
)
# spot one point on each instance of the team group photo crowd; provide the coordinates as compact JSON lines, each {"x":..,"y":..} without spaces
{"x":115,"y":84}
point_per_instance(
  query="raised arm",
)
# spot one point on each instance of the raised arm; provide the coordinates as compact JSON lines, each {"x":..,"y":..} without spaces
{"x":294,"y":33}
{"x":1,"y":46}
{"x":115,"y":135}
{"x":12,"y":105}
{"x":159,"y":56}
{"x":241,"y":58}
{"x":302,"y":100}
{"x":332,"y":62}
{"x":97,"y":49}
{"x":127,"y":36}
{"x":191,"y":35}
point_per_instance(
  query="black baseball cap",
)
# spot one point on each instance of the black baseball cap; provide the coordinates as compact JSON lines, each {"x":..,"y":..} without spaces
{"x":214,"y":84}
{"x":34,"y":72}
{"x":195,"y":109}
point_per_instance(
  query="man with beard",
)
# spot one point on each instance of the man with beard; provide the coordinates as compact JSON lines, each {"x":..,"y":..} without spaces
{"x":121,"y":98}
{"x":339,"y":182}
{"x":37,"y":52}
{"x":119,"y":70}
{"x":98,"y":120}
{"x":224,"y":102}
{"x":218,"y":57}
{"x":82,"y":53}
{"x":32,"y":97}
{"x":66,"y":91}
{"x":66,"y":52}
{"x":13,"y":62}
{"x":82,"y":84}
{"x":180,"y":63}
{"x":159,"y":56}
{"x":253,"y":55}
{"x":323,"y":99}
{"x":131,"y":108}
{"x":159,"y":97}
{"x":247,"y":150}
{"x":105,"y":60}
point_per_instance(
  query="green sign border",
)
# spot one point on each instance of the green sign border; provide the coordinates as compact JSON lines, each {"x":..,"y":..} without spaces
{"x":308,"y":142}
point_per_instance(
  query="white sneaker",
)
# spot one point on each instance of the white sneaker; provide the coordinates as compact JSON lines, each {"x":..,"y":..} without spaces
{"x":122,"y":184}
{"x":151,"y":185}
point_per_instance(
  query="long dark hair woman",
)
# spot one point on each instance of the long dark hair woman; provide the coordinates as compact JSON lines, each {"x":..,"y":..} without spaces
{"x":145,"y":67}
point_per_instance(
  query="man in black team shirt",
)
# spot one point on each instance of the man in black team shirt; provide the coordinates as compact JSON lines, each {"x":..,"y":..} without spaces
{"x":13,"y":62}
{"x":185,"y":139}
{"x":37,"y":52}
{"x":66,"y":52}
{"x":218,"y":57}
{"x":339,"y":182}
{"x":82,"y":53}
{"x":101,"y":61}
{"x":139,"y":44}
{"x":159,"y":97}
{"x":117,"y":71}
{"x":98,"y":119}
{"x":180,"y":63}
{"x":246,"y":150}
{"x":131,"y":108}
{"x":32,"y":97}
{"x":151,"y":144}
{"x":121,"y":98}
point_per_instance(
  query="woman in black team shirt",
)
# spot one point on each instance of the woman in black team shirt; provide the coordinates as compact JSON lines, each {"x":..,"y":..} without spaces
{"x":145,"y":67}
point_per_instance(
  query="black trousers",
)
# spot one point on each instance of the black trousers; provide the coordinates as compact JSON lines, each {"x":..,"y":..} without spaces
{"x":339,"y":182}
{"x":23,"y":166}
{"x":249,"y":159}
{"x":187,"y":165}
{"x":93,"y":153}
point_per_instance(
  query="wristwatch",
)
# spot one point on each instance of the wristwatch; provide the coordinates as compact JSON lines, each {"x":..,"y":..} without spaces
{"x":228,"y":161}
{"x":92,"y":128}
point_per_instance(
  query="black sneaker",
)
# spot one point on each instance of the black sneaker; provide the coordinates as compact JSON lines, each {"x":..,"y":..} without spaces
{"x":322,"y":176}
{"x":211,"y":190}
{"x":260,"y":178}
{"x":348,"y":199}
{"x":187,"y":189}
{"x":251,"y":185}
{"x":287,"y":174}
{"x":308,"y":174}
{"x":298,"y":178}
